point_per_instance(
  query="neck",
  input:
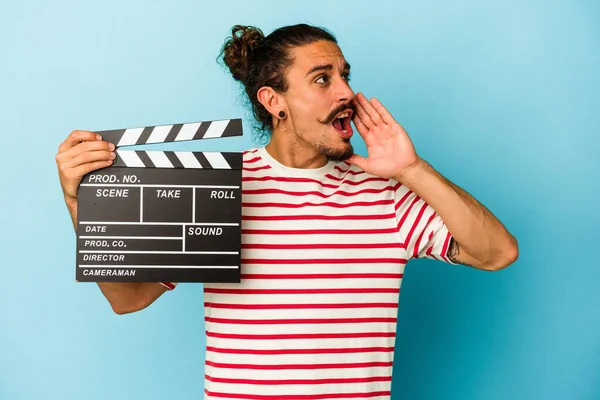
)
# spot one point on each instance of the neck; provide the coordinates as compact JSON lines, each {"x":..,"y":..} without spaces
{"x":288,"y":149}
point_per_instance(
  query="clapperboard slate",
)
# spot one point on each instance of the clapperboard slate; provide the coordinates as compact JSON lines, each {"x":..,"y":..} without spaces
{"x":157,"y":216}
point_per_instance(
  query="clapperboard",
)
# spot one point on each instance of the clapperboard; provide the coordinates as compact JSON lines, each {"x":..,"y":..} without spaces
{"x":156,"y":216}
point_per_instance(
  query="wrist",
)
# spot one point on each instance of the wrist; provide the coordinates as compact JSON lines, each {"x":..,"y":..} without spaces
{"x":412,"y":172}
{"x":70,"y":201}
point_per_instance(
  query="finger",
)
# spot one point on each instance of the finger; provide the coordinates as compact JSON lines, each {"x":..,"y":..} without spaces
{"x":360,"y":126}
{"x":364,"y":132}
{"x":369,"y":109}
{"x":362,"y":115}
{"x":89,"y":167}
{"x":76,"y":137}
{"x":88,"y":157}
{"x":357,"y":160}
{"x":83,"y":147}
{"x":385,"y":114}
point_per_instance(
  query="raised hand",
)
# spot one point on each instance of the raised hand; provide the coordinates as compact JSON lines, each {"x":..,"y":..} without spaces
{"x":390,"y":150}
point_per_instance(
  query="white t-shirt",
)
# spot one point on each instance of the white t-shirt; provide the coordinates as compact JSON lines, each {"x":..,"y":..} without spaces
{"x":323,"y":256}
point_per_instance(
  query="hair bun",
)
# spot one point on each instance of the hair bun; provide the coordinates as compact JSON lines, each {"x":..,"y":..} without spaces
{"x":238,"y":50}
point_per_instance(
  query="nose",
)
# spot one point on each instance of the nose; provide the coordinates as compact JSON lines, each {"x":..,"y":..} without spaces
{"x":344,"y":92}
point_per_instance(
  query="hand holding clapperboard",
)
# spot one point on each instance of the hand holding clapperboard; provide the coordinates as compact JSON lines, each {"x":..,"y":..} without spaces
{"x":162,"y":216}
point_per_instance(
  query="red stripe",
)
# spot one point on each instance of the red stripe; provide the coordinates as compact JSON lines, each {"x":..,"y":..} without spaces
{"x":322,"y":276}
{"x":430,"y":248}
{"x":235,"y":306}
{"x":297,"y":396}
{"x":416,"y":222}
{"x":306,"y":180}
{"x":309,"y":204}
{"x":252,"y":160}
{"x":407,"y":212}
{"x":252,"y":169}
{"x":414,"y":227}
{"x":301,"y":351}
{"x":430,"y":251}
{"x":328,"y":381}
{"x":402,"y":200}
{"x":318,"y":231}
{"x":302,"y":291}
{"x":337,"y":178}
{"x":324,"y":261}
{"x":168,"y":285}
{"x":446,"y":244}
{"x":316,"y":217}
{"x":348,"y":171}
{"x":371,"y":364}
{"x":323,"y":246}
{"x":418,"y":243}
{"x":300,"y":321}
{"x":295,"y":336}
{"x":315,"y":193}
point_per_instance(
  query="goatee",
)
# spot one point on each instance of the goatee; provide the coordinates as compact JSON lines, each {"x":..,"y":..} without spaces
{"x":337,"y":155}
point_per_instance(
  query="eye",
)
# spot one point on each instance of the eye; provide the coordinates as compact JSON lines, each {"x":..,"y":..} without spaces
{"x":346,"y":76}
{"x":322,"y":79}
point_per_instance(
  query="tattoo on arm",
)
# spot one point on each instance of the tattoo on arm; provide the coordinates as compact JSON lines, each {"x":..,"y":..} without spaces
{"x":454,"y":251}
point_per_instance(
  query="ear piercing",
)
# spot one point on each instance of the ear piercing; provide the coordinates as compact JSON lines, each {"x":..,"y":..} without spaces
{"x":282,"y":114}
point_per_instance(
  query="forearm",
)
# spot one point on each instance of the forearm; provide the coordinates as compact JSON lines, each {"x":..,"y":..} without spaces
{"x":72,"y":207}
{"x":128,"y":297}
{"x":479,"y":233}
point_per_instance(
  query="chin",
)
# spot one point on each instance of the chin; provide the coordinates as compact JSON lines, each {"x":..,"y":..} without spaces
{"x":338,"y":153}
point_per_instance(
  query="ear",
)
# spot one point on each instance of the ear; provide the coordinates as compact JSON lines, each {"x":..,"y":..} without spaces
{"x":271,"y":100}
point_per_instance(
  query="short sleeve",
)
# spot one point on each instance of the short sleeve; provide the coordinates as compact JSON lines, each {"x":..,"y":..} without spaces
{"x":169,"y":285}
{"x":421,"y":229}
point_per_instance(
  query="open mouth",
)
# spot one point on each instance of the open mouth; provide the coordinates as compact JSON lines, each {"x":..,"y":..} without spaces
{"x":342,"y":125}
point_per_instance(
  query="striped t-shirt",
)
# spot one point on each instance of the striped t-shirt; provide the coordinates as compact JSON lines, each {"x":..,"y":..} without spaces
{"x":323,"y":256}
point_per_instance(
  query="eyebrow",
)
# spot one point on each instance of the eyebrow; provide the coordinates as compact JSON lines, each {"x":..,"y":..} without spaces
{"x":325,"y":67}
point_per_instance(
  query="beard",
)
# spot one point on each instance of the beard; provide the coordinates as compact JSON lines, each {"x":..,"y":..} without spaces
{"x":336,"y":153}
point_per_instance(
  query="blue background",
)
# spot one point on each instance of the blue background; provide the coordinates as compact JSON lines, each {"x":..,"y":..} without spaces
{"x":501,"y":96}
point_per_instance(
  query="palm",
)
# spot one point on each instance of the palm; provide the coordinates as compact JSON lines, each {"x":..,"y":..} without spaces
{"x":389,"y":147}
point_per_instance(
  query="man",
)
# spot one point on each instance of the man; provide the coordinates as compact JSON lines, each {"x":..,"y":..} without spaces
{"x":326,"y":233}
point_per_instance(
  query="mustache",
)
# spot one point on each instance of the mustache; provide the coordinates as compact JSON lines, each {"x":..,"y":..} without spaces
{"x":337,"y":110}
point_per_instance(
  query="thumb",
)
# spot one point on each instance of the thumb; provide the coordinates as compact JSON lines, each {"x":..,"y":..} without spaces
{"x":357,"y":160}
